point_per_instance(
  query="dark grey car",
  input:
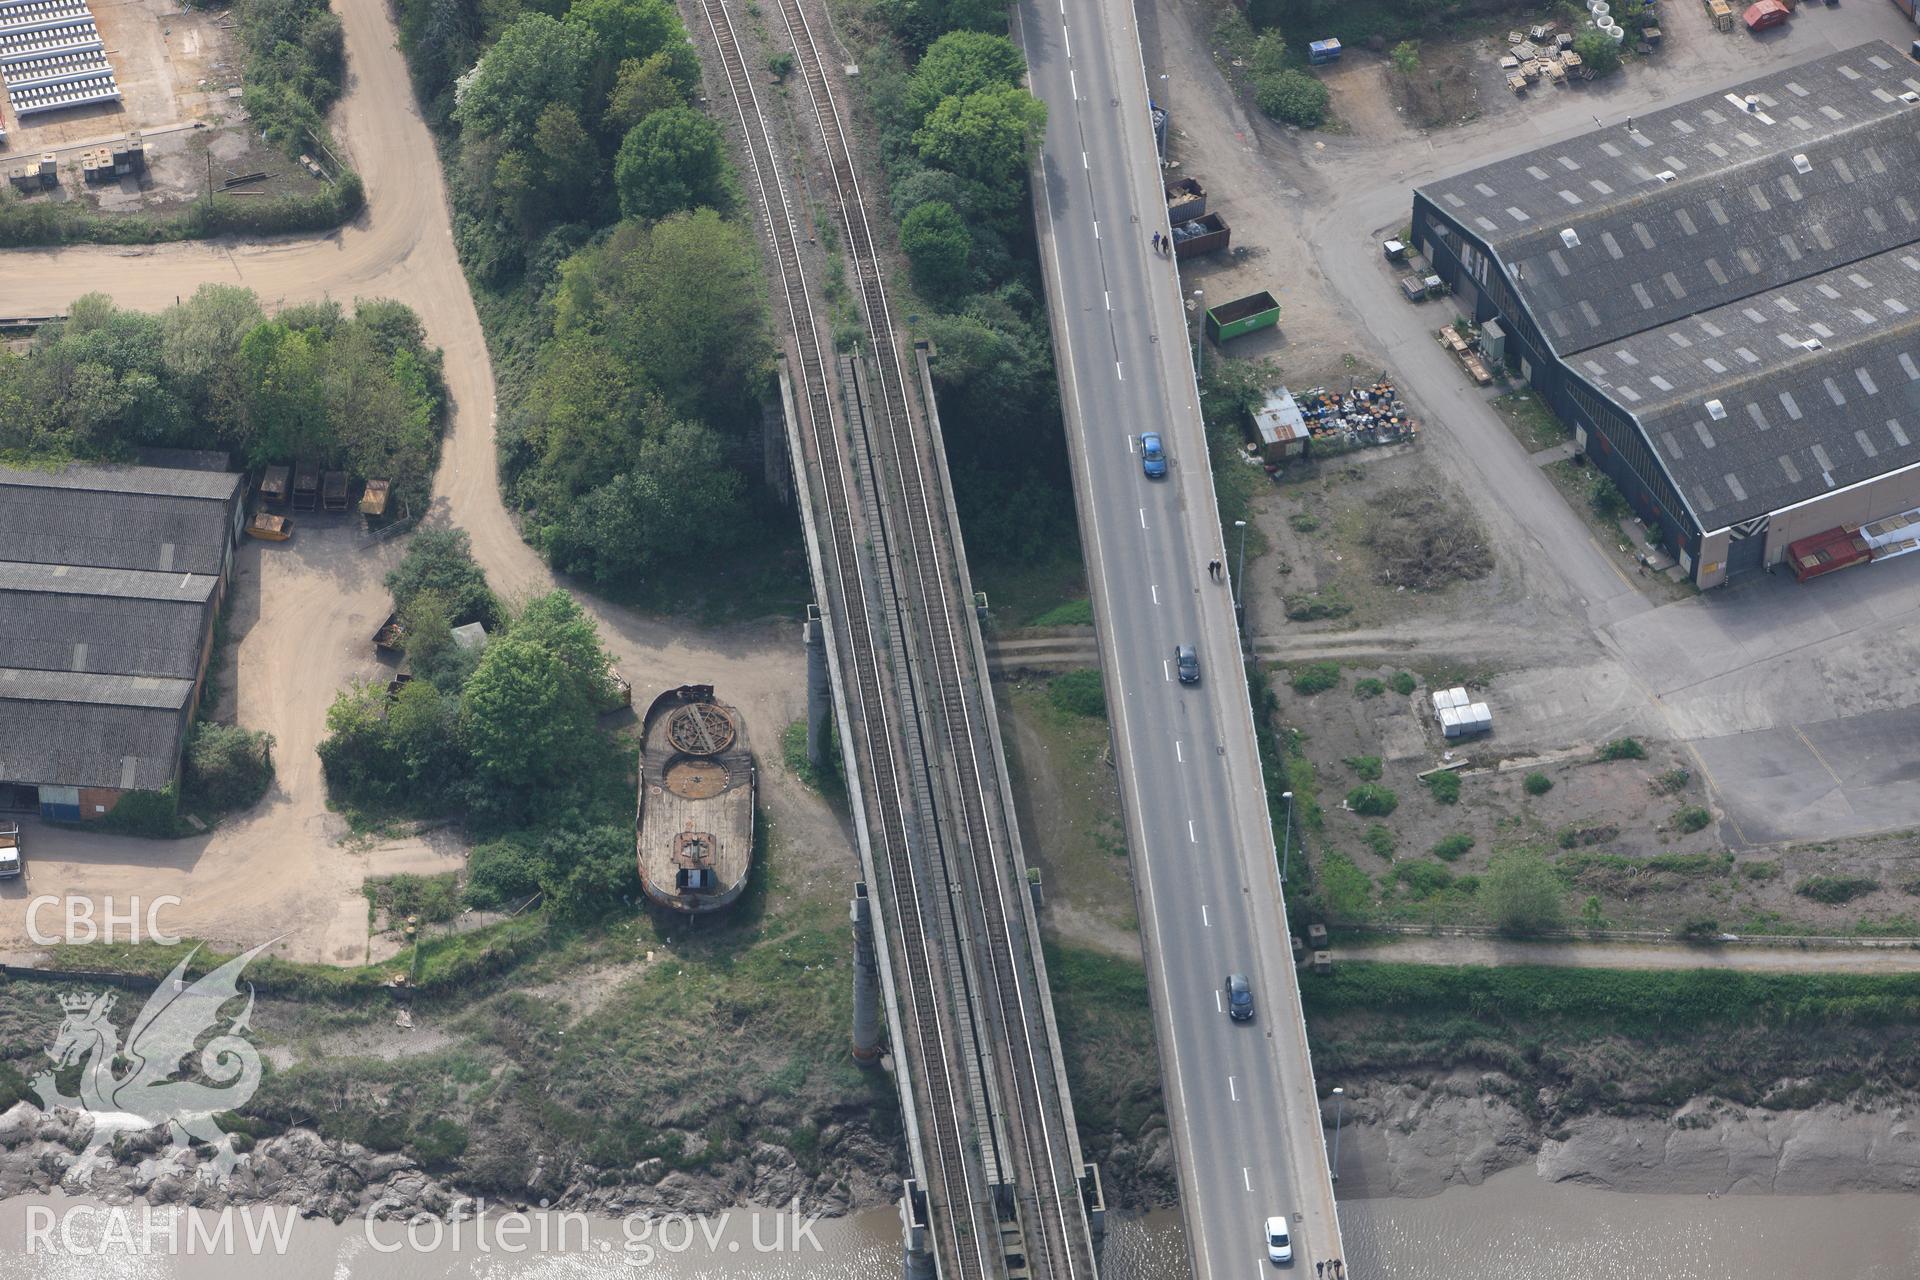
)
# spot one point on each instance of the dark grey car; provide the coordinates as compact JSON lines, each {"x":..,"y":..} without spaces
{"x":1239,"y":998}
{"x":1187,"y":663}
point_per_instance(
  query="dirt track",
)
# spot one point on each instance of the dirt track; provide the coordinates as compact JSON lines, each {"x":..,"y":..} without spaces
{"x":279,"y":870}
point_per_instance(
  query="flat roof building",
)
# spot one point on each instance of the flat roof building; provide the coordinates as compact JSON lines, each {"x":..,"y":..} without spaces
{"x":1721,"y":297}
{"x":109,"y":585}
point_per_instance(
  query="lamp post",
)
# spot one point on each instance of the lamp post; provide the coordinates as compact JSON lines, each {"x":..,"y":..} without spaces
{"x":1239,"y":574}
{"x":1286,"y":844}
{"x":1339,"y":1110}
{"x":1199,"y":334}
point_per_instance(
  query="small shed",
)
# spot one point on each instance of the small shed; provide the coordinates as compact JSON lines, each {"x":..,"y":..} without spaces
{"x":1767,"y":13}
{"x":471,"y":636}
{"x":1280,"y":427}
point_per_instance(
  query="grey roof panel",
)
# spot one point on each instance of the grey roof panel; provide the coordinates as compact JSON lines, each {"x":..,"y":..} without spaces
{"x":111,"y":477}
{"x":89,"y":745}
{"x":1859,"y":156}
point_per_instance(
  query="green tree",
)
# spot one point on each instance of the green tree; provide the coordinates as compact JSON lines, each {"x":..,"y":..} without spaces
{"x":936,"y":242}
{"x":357,"y":755}
{"x":441,"y":560}
{"x":424,"y":734}
{"x":1269,"y":56}
{"x":681,"y":299}
{"x":959,"y":63}
{"x":537,"y":61}
{"x":985,"y":136}
{"x":1598,"y":51}
{"x":557,"y":624}
{"x":641,"y":88}
{"x":1523,"y":893}
{"x":1292,"y":97}
{"x":588,"y":871}
{"x":569,"y":162}
{"x":623,"y":529}
{"x":672,"y":160}
{"x":1406,"y":57}
{"x":226,"y":767}
{"x":200,"y":343}
{"x":628,"y":30}
{"x":286,"y":404}
{"x":526,"y":721}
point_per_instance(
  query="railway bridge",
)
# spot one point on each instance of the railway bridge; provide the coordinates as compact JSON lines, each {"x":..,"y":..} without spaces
{"x":998,"y":1185}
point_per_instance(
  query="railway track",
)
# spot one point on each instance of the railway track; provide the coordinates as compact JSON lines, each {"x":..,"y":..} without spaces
{"x":1055,"y":1240}
{"x":961,"y":1240}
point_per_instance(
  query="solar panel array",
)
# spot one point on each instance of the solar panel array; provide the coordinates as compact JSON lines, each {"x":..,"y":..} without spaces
{"x":51,"y":56}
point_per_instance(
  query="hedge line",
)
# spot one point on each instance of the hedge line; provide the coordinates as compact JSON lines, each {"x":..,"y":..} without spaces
{"x":25,"y":223}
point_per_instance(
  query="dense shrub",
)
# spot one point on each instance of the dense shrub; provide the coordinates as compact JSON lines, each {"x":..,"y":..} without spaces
{"x":155,"y":814}
{"x":502,"y":875}
{"x":1623,"y":749}
{"x":1597,"y":51}
{"x":1316,"y":677}
{"x":1292,"y":97}
{"x":1423,"y":879}
{"x":1079,"y":693}
{"x":1373,"y":800}
{"x":226,"y":767}
{"x":1403,"y":683}
{"x":1444,"y":786}
{"x":1537,"y":784}
{"x":1834,"y":890}
{"x":1522,"y":892}
{"x":1691,"y":819}
{"x":1452,"y":848}
{"x":1365,"y":768}
{"x":1368,"y":687}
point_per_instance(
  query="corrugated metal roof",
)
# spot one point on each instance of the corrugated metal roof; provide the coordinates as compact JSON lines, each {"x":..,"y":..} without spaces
{"x":112,"y":477}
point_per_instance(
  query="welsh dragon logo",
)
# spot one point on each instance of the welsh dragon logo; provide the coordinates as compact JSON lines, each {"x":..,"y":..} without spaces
{"x":148,"y":1091}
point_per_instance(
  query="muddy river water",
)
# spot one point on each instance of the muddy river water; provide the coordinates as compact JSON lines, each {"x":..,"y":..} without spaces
{"x":1513,"y":1227}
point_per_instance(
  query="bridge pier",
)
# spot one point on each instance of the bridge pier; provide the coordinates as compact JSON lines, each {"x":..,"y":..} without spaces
{"x":866,"y":980}
{"x":916,"y":1237}
{"x":819,"y":688}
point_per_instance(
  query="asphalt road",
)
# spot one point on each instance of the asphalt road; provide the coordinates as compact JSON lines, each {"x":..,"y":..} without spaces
{"x":1240,"y":1097}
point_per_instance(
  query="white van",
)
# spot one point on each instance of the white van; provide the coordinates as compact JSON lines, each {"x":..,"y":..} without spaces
{"x":1279,"y":1241}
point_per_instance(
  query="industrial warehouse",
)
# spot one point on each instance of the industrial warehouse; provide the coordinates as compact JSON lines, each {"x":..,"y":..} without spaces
{"x":1721,"y":299}
{"x":111,"y":579}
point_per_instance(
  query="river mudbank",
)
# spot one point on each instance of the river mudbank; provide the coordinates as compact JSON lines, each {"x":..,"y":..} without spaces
{"x":337,"y":1179}
{"x":1404,"y":1139}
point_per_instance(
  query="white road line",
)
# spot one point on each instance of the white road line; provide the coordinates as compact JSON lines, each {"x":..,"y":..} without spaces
{"x":1119,"y":371}
{"x":1207,"y":924}
{"x":1143,"y":517}
{"x":1233,"y":1090}
{"x":1216,"y":1003}
{"x":1083,"y":161}
{"x":1073,"y":83}
{"x":1109,"y":297}
{"x":1246,"y":1177}
{"x":1178,"y":754}
{"x":1163,"y":669}
{"x":1096,"y":228}
{"x":1067,"y":36}
{"x":1129,"y":444}
{"x":1155,"y":588}
{"x":1191,"y":837}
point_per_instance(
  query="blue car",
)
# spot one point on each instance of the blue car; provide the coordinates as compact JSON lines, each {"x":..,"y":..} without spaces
{"x":1153,"y":458}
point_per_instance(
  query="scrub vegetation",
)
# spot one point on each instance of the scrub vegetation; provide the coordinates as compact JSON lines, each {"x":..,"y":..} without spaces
{"x":359,"y":390}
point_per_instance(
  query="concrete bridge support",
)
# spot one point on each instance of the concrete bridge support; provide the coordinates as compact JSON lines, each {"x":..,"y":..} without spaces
{"x":819,"y":689}
{"x":916,"y":1237}
{"x":866,"y":981}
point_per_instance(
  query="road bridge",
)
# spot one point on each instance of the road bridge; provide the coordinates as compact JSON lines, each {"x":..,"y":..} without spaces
{"x":1241,"y":1097}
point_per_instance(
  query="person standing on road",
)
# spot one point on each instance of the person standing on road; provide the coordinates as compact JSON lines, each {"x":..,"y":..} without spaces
{"x":1156,"y":242}
{"x":1320,"y":1269}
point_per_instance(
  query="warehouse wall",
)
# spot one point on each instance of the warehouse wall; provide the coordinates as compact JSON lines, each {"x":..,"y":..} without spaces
{"x":1859,"y":504}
